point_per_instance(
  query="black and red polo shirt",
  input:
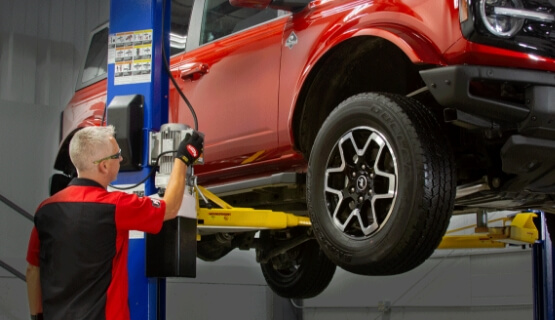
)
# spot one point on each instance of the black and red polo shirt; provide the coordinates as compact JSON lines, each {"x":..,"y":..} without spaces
{"x":80,"y":241}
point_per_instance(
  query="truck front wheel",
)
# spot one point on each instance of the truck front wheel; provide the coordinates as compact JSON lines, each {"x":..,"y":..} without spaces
{"x":381,"y":184}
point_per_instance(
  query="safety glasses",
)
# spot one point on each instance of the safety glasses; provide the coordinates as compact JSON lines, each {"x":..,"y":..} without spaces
{"x":114,"y":156}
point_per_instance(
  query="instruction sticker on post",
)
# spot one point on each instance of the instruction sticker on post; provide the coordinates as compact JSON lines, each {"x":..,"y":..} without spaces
{"x":131,"y":54}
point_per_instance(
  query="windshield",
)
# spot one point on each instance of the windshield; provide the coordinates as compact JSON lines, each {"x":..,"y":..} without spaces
{"x":95,"y":67}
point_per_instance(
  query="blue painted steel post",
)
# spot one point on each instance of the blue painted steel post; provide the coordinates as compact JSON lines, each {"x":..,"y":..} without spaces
{"x":544,"y":295}
{"x":135,"y":67}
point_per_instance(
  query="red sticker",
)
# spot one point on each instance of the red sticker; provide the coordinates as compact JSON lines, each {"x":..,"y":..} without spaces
{"x":192,"y":150}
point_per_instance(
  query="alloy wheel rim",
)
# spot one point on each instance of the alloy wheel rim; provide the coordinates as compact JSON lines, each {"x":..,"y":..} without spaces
{"x":361,"y":182}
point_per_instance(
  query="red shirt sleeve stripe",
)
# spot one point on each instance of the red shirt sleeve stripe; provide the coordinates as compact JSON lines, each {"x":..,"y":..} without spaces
{"x":33,"y":248}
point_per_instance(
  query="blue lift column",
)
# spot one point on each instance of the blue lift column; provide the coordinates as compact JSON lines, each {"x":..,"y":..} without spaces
{"x":137,"y":79}
{"x":543,"y":272}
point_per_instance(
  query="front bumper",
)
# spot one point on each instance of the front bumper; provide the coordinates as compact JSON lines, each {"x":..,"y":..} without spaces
{"x":522,"y":101}
{"x":533,"y":112}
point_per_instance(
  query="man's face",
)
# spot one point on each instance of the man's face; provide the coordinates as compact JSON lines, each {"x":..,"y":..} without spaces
{"x":114,"y":164}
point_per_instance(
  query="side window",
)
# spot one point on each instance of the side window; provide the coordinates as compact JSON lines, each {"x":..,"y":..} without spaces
{"x":180,"y":17}
{"x":96,"y":62}
{"x":221,"y":19}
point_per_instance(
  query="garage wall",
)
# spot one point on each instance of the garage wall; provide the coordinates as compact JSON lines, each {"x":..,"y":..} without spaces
{"x":41,"y":46}
{"x":453,"y":284}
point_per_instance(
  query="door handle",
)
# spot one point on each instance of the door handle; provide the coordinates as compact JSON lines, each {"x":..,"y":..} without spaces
{"x":193,"y":71}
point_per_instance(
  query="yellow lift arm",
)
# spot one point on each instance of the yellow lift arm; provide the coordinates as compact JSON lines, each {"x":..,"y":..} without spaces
{"x":521,"y":231}
{"x":517,"y":229}
{"x":227,"y":218}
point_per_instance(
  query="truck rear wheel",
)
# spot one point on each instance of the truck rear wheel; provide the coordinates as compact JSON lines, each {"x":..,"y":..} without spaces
{"x":381,"y":184}
{"x":300,"y":273}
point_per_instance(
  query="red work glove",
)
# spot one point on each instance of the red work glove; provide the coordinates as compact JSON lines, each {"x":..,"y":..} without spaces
{"x":190,"y":148}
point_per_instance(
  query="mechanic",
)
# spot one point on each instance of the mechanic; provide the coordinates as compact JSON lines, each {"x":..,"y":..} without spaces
{"x":78,"y":248}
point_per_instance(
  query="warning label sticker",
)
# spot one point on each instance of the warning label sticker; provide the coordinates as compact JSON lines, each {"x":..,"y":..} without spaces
{"x":131,"y":54}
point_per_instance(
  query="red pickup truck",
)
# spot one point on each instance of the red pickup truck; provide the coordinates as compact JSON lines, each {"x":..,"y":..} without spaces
{"x":377,"y":118}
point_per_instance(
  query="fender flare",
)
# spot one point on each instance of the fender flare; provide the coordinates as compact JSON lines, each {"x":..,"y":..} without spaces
{"x":415,"y":47}
{"x":419,"y":50}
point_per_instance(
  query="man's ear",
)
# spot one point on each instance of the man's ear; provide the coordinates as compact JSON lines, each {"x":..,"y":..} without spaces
{"x":102,"y":167}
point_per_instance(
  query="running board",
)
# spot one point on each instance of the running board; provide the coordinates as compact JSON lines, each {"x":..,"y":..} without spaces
{"x":275,"y":180}
{"x":469,"y":189}
{"x":291,"y":178}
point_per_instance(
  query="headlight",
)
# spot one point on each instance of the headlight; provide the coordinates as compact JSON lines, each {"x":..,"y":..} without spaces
{"x":518,"y":25}
{"x":497,"y":19}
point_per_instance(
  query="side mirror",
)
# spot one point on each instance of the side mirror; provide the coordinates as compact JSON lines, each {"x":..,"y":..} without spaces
{"x":287,"y":5}
{"x":126,"y":114}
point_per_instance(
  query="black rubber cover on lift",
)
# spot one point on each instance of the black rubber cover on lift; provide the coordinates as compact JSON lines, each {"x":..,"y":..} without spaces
{"x":173,"y":251}
{"x":125,"y":113}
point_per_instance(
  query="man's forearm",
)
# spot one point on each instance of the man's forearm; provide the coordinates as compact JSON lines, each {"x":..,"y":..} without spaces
{"x":175,"y":190}
{"x":34,"y":292}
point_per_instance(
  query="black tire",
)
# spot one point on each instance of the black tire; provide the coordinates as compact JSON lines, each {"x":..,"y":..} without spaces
{"x":211,"y":248}
{"x":300,"y":273}
{"x":384,"y":210}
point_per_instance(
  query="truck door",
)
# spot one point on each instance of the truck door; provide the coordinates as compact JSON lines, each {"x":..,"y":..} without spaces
{"x":230,"y":74}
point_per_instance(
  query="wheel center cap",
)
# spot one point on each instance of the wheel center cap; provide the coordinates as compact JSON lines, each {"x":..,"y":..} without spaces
{"x":361,"y":183}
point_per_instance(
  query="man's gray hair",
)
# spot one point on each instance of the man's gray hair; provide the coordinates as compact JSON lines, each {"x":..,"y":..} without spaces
{"x":90,"y":144}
